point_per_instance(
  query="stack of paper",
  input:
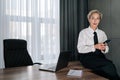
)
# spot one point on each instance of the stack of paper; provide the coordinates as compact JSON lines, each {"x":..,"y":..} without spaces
{"x":75,"y":73}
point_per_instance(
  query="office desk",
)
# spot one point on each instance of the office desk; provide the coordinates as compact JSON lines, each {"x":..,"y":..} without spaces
{"x":32,"y":73}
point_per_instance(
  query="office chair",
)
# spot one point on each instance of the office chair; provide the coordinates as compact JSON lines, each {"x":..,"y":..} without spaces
{"x":16,"y":53}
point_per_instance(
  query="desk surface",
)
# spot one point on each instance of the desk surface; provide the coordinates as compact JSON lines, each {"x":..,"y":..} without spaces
{"x":32,"y":73}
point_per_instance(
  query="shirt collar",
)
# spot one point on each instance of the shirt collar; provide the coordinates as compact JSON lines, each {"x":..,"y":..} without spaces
{"x":91,"y":30}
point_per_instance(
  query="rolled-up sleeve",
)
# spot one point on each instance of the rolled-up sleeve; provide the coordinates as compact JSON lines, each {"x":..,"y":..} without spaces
{"x":107,"y":47}
{"x":82,"y":46}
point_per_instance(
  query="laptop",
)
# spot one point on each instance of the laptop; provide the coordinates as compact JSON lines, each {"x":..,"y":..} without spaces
{"x":62,"y":62}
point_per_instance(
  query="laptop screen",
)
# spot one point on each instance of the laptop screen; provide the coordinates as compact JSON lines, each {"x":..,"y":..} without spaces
{"x":62,"y":62}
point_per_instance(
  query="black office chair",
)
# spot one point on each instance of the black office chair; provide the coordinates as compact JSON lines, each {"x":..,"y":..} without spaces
{"x":16,"y":53}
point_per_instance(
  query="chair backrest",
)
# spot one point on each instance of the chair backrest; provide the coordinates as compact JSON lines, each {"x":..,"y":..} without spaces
{"x":16,"y":53}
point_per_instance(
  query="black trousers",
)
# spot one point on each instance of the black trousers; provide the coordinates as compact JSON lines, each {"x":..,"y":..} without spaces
{"x":99,"y":64}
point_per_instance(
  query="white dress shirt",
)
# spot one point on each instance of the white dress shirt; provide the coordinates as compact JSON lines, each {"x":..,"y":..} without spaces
{"x":86,"y":40}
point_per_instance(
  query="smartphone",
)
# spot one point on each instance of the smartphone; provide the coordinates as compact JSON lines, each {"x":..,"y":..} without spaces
{"x":107,"y":41}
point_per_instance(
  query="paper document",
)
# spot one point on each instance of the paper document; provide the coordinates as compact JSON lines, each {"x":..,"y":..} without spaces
{"x":75,"y":73}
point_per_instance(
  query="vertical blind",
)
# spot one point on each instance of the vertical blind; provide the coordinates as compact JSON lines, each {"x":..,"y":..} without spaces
{"x":36,"y":21}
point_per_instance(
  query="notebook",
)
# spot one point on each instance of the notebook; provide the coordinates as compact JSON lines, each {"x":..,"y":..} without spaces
{"x":62,"y":62}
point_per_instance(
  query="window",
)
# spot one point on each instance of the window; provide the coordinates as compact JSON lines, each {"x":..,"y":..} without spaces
{"x":36,"y":21}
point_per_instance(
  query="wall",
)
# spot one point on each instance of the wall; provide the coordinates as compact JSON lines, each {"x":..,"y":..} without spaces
{"x":111,"y":25}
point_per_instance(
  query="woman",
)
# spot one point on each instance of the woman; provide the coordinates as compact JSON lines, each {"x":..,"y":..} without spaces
{"x":92,"y":48}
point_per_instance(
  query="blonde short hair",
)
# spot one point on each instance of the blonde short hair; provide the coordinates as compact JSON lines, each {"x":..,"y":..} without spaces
{"x":94,"y":11}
